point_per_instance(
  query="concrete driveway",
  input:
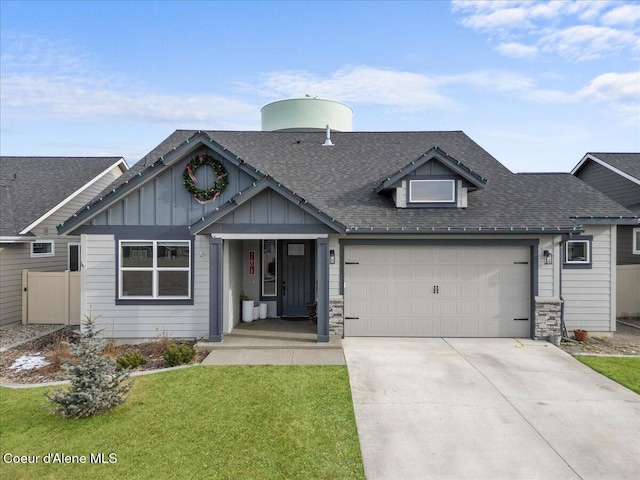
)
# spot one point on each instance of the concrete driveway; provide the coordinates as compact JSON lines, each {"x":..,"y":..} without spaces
{"x":488,"y":409}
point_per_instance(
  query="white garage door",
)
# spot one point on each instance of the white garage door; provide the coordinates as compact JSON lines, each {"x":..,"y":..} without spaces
{"x":436,"y":291}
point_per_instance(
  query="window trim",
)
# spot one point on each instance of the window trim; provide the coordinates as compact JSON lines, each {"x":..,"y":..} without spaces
{"x":155,"y":297}
{"x":450,"y":201}
{"x":588,"y":239}
{"x":635,"y":233}
{"x":52,"y":253}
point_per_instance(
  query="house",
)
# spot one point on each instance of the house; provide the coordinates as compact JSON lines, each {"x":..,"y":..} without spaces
{"x":391,"y":233}
{"x":37,"y":193}
{"x":617,"y":175}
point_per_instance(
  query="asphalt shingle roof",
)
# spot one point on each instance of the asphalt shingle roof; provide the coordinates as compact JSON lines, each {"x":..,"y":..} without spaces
{"x":340,"y":179}
{"x":31,"y":186}
{"x":629,"y":163}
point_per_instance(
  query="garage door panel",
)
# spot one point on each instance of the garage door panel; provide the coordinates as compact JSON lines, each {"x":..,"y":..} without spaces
{"x":479,"y":291}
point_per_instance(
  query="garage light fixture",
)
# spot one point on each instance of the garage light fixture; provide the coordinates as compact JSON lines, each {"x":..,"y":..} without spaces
{"x":548,"y":257}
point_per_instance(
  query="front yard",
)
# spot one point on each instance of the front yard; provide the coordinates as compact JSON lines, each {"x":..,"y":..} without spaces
{"x":198,"y":422}
{"x":625,"y":371}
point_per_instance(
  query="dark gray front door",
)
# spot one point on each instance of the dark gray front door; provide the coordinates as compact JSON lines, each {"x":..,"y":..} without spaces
{"x":297,"y":277}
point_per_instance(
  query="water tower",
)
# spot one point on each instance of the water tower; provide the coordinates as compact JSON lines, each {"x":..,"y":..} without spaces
{"x":306,"y":114}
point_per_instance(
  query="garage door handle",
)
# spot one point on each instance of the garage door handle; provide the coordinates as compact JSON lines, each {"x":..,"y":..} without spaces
{"x":352,"y":318}
{"x":521,"y":319}
{"x":521,"y":263}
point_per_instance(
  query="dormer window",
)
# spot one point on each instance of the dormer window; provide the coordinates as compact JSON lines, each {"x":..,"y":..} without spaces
{"x":432,"y":191}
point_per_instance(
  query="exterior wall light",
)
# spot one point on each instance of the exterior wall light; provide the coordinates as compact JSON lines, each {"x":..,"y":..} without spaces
{"x":548,"y":257}
{"x":332,"y":257}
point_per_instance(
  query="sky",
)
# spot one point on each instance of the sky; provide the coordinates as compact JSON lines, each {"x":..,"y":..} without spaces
{"x":537,"y":84}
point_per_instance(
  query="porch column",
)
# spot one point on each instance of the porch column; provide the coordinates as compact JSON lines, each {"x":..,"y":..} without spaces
{"x":215,"y":290}
{"x":322,"y":269}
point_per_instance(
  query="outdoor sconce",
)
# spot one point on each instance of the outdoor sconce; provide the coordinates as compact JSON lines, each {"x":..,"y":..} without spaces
{"x":332,"y":257}
{"x":548,"y":257}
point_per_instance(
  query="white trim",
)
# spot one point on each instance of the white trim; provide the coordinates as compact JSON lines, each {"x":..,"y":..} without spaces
{"x":269,"y":236}
{"x":52,"y":253}
{"x":577,"y":262}
{"x":16,"y":239}
{"x":635,"y":233}
{"x":155,"y":271}
{"x":588,"y":156}
{"x":120,"y":163}
{"x":451,"y":199}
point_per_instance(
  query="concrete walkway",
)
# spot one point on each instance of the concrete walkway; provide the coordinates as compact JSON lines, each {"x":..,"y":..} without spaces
{"x":274,"y":342}
{"x":488,"y":409}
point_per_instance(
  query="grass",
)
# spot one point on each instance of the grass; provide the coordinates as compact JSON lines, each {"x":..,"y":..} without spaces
{"x":623,"y":370}
{"x":200,"y":422}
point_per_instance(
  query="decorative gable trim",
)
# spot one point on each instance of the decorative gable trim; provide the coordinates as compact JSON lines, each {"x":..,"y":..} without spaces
{"x":256,"y":188}
{"x":139,"y":179}
{"x":595,"y":159}
{"x":478,"y":181}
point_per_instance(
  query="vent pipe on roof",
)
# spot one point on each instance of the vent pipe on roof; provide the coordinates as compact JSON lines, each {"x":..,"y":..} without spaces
{"x":328,"y":142}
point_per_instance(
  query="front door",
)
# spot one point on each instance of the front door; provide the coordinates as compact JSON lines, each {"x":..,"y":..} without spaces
{"x":297,"y":277}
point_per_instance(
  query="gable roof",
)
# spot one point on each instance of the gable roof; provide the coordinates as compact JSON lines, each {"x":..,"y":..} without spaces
{"x":478,"y":181}
{"x":341,"y":181}
{"x":626,"y":165}
{"x":33,"y":188}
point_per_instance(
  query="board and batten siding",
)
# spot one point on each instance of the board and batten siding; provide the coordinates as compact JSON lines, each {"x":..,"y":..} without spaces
{"x":589,"y":294}
{"x":137,"y":322}
{"x":614,"y":186}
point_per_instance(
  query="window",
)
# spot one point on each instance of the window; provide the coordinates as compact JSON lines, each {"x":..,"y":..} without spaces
{"x":635,"y":238}
{"x":432,"y":191}
{"x":73,"y":257}
{"x":577,"y":252}
{"x":269,"y":268}
{"x":156,"y":269}
{"x":42,"y":248}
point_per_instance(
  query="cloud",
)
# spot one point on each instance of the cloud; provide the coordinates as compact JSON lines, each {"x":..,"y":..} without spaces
{"x":517,"y":50}
{"x":576,"y":31}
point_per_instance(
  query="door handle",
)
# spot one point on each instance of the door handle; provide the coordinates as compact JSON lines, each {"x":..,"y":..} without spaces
{"x":284,"y":287}
{"x":436,"y":289}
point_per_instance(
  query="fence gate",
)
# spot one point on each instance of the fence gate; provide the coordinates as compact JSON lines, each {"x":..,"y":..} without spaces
{"x":51,"y":297}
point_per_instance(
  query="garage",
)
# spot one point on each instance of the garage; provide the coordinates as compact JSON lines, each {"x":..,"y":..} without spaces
{"x":401,"y":290}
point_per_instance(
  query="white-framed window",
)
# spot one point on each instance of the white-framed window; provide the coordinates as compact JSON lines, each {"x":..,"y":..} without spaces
{"x":269,"y":268}
{"x":43,"y":248}
{"x":577,"y":252}
{"x":432,"y":191}
{"x":635,"y":239}
{"x":154,"y":269}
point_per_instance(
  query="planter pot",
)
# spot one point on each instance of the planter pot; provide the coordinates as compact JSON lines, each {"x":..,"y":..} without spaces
{"x":247,"y":311}
{"x":263,"y":311}
{"x":581,"y":335}
{"x":256,"y":312}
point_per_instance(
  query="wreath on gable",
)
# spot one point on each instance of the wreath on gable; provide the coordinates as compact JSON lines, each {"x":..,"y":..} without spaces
{"x":203,"y":195}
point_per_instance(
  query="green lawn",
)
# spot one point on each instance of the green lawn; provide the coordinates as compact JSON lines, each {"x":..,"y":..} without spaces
{"x":200,"y":422}
{"x":624,"y":370}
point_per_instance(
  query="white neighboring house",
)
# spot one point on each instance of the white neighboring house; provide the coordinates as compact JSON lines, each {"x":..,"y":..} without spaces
{"x":36,"y":194}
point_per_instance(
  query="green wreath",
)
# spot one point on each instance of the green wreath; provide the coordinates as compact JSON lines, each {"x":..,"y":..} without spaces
{"x":200,"y":194}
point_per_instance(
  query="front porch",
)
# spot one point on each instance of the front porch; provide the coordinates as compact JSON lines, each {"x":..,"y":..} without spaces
{"x":274,"y":341}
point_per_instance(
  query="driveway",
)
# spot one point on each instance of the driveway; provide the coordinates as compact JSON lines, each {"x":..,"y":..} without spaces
{"x":488,"y":409}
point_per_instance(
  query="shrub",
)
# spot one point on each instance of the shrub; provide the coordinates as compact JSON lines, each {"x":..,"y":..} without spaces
{"x":96,"y":386}
{"x":131,"y":360}
{"x":178,"y":354}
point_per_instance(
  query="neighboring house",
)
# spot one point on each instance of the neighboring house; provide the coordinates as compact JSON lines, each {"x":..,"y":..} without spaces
{"x":392,"y":233}
{"x":36,"y":194}
{"x":617,"y":175}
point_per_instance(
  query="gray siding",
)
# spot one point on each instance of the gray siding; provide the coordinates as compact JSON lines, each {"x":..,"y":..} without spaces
{"x":623,"y":191}
{"x":625,"y":246}
{"x":269,"y":207}
{"x":14,"y":257}
{"x":588,"y":293}
{"x":164,"y":200}
{"x":141,"y":321}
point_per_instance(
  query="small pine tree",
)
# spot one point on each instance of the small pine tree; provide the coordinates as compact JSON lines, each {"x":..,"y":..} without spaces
{"x":96,"y":384}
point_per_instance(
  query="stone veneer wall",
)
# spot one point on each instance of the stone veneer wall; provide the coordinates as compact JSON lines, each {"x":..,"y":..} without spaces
{"x":336,"y":315}
{"x":548,"y":313}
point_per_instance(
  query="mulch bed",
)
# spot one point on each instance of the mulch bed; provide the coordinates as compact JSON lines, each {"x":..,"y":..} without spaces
{"x":55,"y":350}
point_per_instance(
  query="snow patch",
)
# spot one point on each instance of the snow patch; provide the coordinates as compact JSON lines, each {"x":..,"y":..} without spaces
{"x":29,"y":362}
